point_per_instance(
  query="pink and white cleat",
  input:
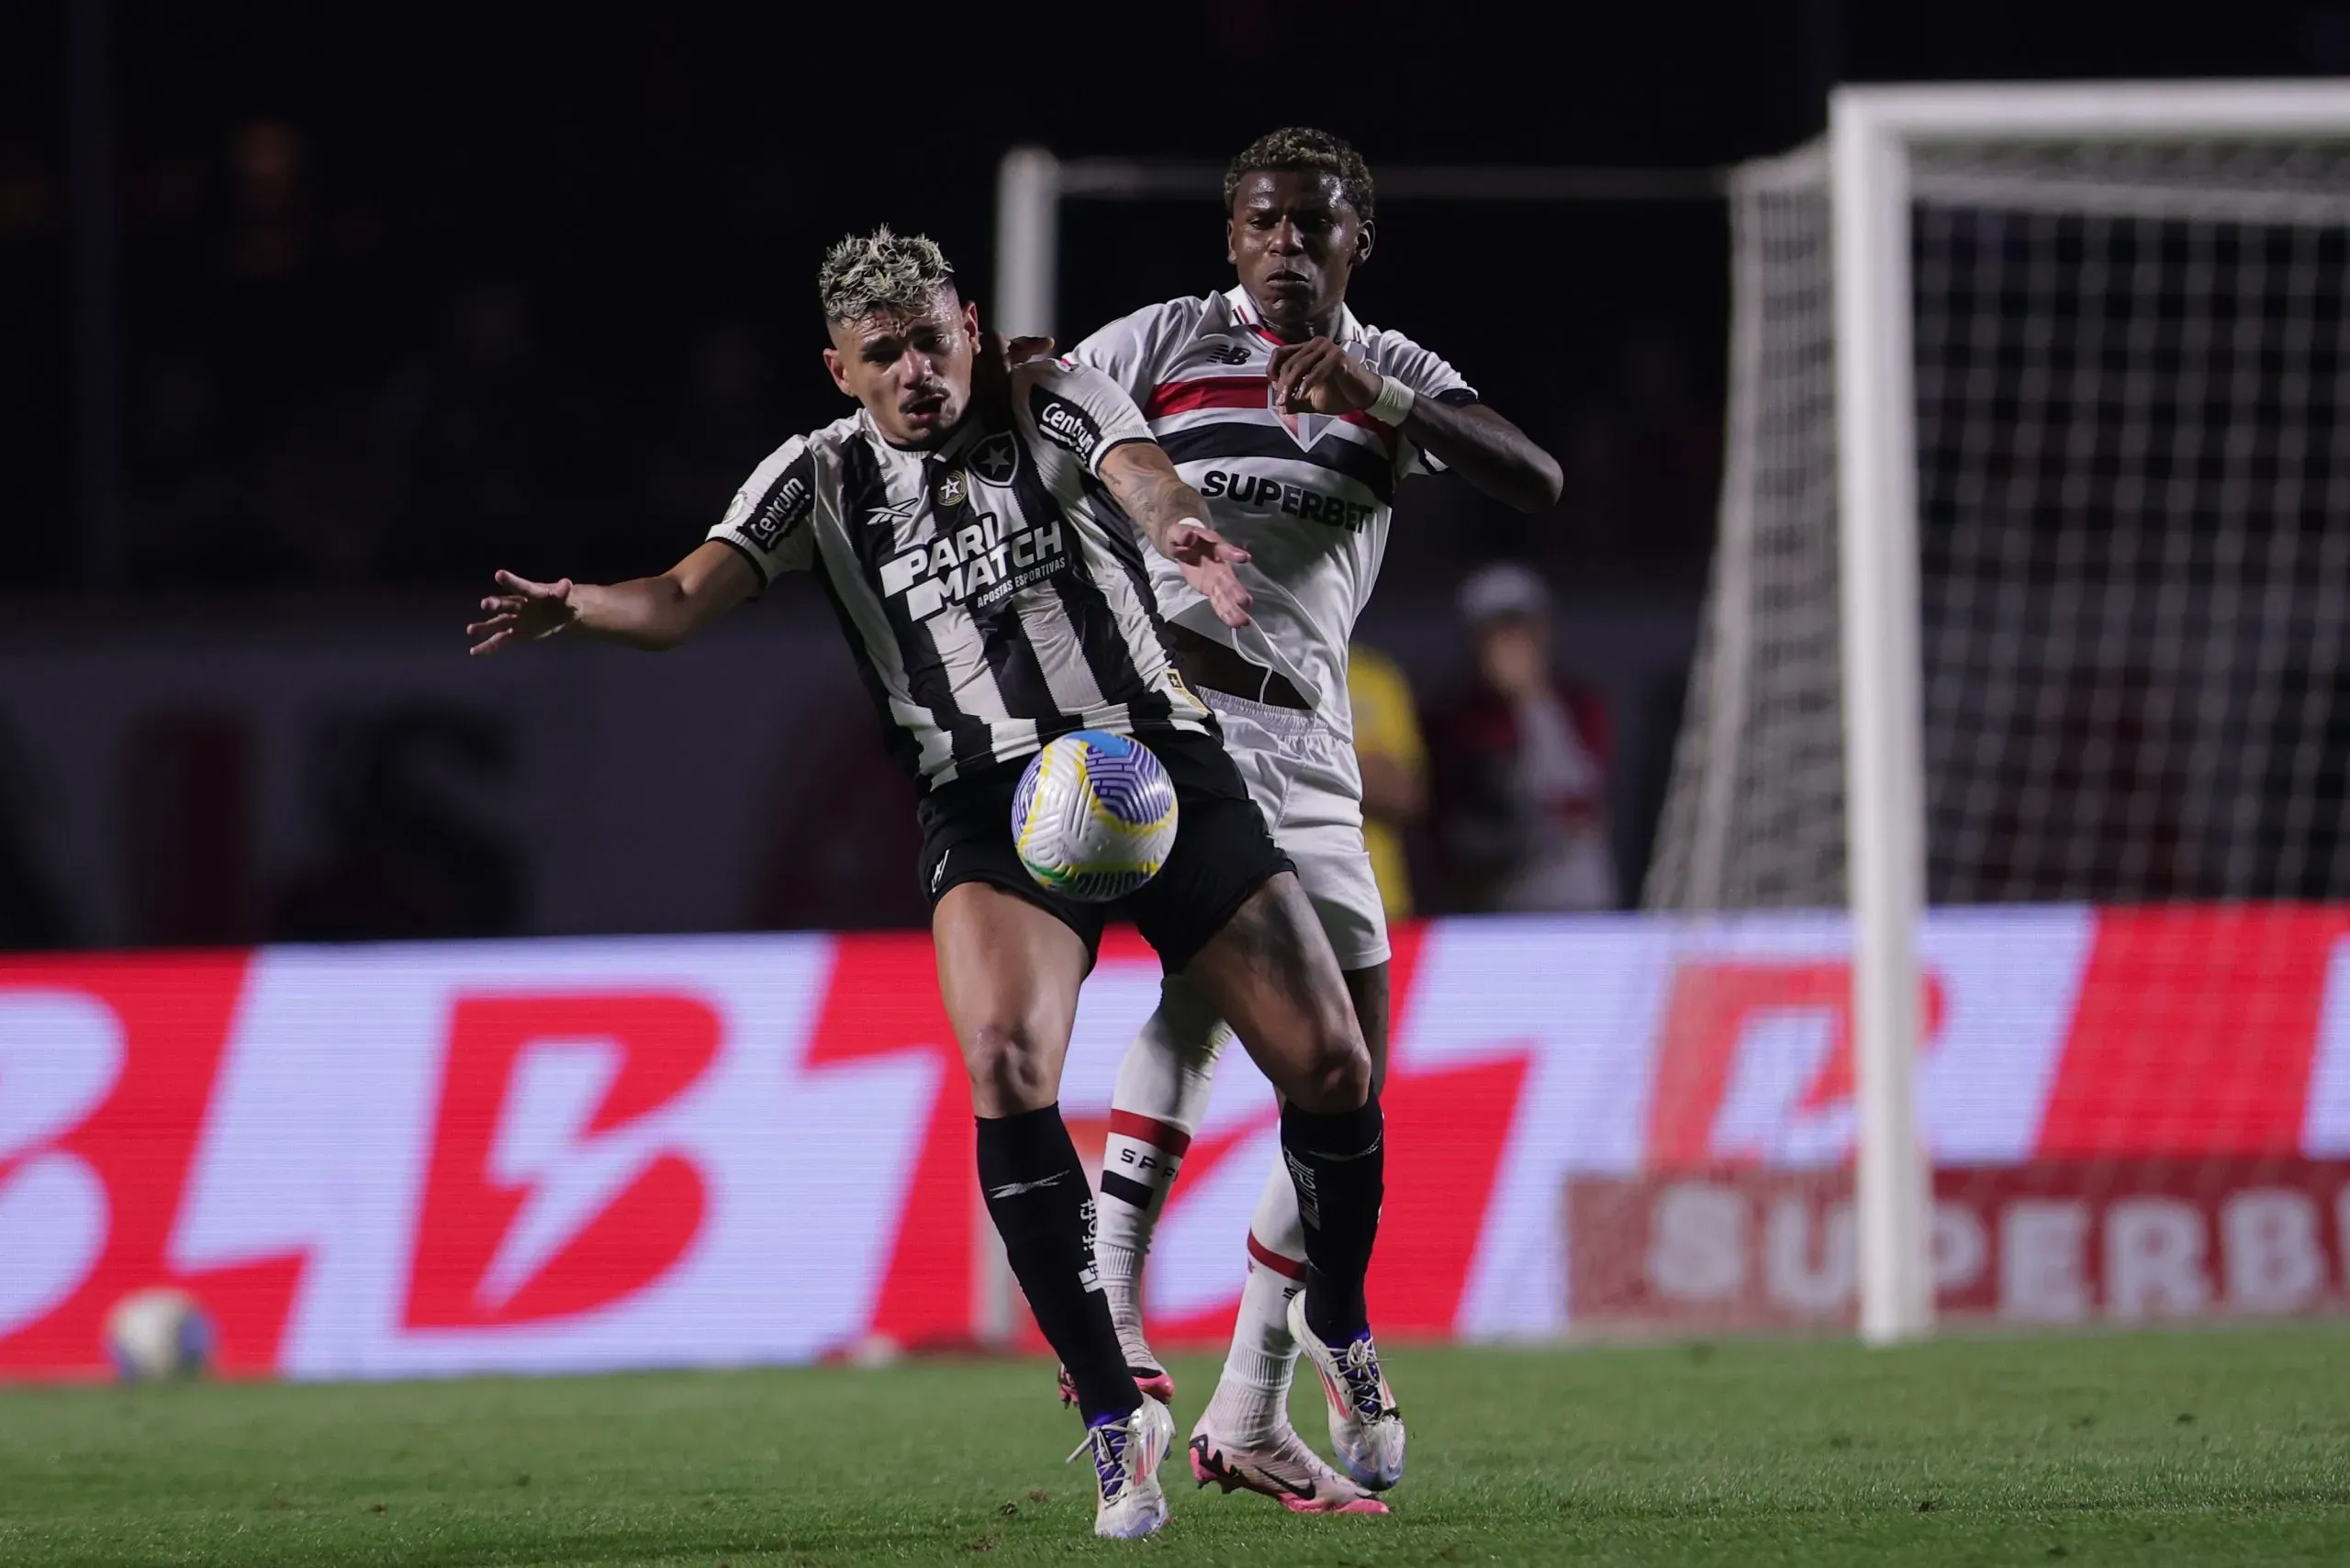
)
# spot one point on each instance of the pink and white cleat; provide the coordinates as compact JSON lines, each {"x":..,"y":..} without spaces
{"x":1366,"y":1429}
{"x":1129,"y":1503}
{"x":1155,"y":1382}
{"x":1280,"y":1467}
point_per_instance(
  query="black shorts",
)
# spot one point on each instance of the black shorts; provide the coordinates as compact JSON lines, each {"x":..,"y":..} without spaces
{"x":1223,"y":852}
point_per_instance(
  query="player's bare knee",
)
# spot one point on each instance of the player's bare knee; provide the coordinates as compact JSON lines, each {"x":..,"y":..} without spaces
{"x":1337,"y":1077}
{"x":1010,"y":1070}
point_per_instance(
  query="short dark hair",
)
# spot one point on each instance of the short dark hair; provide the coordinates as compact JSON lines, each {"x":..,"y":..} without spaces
{"x":1300,"y":149}
{"x":881,"y":271}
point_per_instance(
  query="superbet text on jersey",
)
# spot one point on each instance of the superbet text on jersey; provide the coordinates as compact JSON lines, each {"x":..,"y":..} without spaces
{"x":1310,"y":496}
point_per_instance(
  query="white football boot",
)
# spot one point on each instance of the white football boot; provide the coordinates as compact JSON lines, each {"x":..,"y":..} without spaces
{"x":1151,"y":1378}
{"x":1279,"y":1466}
{"x":1128,"y":1502}
{"x":1366,"y":1430}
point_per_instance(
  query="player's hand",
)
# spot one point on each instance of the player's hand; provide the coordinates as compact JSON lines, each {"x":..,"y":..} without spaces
{"x":1317,"y":376}
{"x":1206,"y":559}
{"x":1019,"y":351}
{"x":526,"y":613}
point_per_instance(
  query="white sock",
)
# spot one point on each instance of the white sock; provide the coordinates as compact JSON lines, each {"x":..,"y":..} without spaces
{"x":1252,"y":1398}
{"x":1162,"y":1094}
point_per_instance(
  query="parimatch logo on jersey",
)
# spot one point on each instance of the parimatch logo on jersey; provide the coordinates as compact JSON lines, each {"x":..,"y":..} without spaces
{"x":976,"y":566}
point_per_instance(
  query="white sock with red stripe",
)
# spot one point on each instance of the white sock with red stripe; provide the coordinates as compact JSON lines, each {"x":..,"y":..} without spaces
{"x":1252,"y":1397}
{"x":1162,"y":1094}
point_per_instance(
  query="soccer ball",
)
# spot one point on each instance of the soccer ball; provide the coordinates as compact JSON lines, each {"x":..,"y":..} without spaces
{"x":158,"y":1333}
{"x":1094,"y":816}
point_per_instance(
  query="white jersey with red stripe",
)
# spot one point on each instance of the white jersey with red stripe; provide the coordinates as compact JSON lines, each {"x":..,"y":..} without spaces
{"x":1310,"y":496}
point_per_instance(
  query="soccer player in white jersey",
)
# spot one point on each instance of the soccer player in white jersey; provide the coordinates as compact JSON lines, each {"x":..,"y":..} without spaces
{"x":994,"y":600}
{"x":1295,"y":421}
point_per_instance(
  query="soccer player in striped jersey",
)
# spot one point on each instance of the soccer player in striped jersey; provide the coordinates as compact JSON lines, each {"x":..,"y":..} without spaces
{"x":973,"y":547}
{"x":1295,"y":421}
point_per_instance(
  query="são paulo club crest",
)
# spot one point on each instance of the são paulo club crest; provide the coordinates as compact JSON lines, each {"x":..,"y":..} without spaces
{"x":1305,"y":426}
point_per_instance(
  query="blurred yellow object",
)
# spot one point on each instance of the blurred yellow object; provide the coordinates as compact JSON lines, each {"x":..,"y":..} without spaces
{"x":1387,"y":729}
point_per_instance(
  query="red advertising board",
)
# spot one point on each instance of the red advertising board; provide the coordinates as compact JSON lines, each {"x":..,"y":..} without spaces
{"x":388,"y":1161}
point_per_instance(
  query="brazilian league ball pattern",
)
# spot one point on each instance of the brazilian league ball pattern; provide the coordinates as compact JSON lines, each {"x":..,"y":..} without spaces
{"x":1094,"y":816}
{"x":158,"y":1333}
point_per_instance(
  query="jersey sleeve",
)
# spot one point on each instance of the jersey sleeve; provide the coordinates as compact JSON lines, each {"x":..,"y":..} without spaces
{"x":1130,"y":350}
{"x":1080,"y":412}
{"x":770,"y":518}
{"x":1430,"y":376}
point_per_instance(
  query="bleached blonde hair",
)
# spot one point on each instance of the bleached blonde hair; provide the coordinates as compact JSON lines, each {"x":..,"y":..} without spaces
{"x":881,"y":271}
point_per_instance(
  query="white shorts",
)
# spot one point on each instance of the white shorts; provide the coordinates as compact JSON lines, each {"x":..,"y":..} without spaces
{"x":1304,"y":777}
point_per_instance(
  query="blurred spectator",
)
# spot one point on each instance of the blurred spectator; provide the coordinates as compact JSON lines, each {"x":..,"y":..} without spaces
{"x":1395,"y":762}
{"x":475,"y":422}
{"x":717,"y":432}
{"x":32,"y":908}
{"x":405,"y":851}
{"x":1521,"y":769}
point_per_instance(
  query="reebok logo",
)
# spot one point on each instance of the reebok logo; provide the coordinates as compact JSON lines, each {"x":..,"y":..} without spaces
{"x":1014,"y":1189}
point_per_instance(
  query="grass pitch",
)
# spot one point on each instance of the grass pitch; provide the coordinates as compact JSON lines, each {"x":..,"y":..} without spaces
{"x":2220,"y":1447}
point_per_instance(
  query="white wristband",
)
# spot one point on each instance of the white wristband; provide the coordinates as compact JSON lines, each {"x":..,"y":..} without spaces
{"x":1394,"y":404}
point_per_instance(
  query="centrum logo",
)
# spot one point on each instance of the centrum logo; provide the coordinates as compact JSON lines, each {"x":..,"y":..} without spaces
{"x":784,"y":507}
{"x":1065,"y":424}
{"x":978,"y":564}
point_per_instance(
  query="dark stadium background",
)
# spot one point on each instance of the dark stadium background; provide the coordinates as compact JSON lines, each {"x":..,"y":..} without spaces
{"x":533,"y":289}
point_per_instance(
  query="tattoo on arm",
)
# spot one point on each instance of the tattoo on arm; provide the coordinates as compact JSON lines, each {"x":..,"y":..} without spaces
{"x":1152,"y":492}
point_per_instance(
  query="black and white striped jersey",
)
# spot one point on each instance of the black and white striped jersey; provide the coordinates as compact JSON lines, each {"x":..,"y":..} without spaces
{"x":994,"y":595}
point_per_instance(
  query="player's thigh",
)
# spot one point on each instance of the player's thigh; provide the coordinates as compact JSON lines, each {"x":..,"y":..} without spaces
{"x":1269,"y":971}
{"x":1009,"y":972}
{"x":1321,"y":832}
{"x":1334,"y":867}
{"x":1227,"y":915}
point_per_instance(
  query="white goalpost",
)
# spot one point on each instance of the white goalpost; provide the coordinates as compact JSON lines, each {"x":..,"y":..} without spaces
{"x":2119,"y":311}
{"x":1031,"y":185}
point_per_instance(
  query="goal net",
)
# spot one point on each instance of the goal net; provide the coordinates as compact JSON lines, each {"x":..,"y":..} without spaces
{"x":2131,"y":363}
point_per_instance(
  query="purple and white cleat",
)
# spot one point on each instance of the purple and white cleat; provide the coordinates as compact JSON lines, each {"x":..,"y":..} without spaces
{"x":1126,"y":1450}
{"x":1366,"y":1429}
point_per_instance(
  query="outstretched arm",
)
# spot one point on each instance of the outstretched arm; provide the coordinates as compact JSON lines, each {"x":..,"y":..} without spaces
{"x":1471,"y":439}
{"x":654,"y":613}
{"x":1173,"y":517}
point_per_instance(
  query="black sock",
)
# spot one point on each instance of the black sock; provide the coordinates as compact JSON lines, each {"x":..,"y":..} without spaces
{"x":1037,"y":1196}
{"x":1338,"y":1163}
